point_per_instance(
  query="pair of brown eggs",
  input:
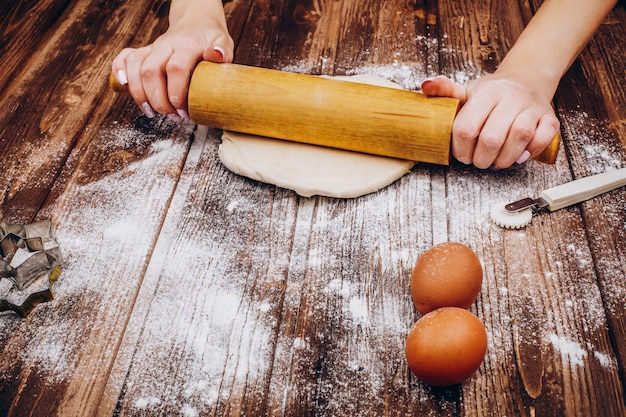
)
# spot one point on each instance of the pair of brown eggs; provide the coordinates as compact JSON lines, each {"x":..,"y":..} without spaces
{"x":448,"y":343}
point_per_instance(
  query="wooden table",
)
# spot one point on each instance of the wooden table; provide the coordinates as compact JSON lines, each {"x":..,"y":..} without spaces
{"x":188,"y":290}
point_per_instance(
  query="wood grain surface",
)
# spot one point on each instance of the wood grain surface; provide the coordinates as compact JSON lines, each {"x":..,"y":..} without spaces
{"x":188,"y":290}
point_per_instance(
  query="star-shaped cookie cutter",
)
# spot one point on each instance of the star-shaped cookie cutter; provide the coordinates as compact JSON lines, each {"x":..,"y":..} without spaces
{"x":29,"y":266}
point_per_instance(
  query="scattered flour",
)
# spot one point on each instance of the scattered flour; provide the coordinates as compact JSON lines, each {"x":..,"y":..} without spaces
{"x":209,"y":328}
{"x":409,"y":76}
{"x":143,"y":402}
{"x":223,"y":338}
{"x":189,"y":411}
{"x":359,"y":310}
{"x":570,"y":350}
{"x":605,"y":360}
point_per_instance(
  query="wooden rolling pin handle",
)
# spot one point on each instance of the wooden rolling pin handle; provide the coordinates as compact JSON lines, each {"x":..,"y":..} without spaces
{"x":548,"y":155}
{"x":115,"y":84}
{"x":434,"y":128}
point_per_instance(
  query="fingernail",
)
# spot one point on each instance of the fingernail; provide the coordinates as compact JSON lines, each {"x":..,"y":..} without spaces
{"x":182,"y":113}
{"x":147,"y":110}
{"x":121,"y":77}
{"x":494,"y":167}
{"x":523,"y":157}
{"x":425,"y":82}
{"x":174,"y":100}
{"x":219,"y":50}
{"x":174,"y":117}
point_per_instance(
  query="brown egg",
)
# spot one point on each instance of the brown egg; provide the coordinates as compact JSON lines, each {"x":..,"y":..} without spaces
{"x":447,"y":275}
{"x":446,"y":346}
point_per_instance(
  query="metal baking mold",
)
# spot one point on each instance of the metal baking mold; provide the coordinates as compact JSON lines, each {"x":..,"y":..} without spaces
{"x":29,"y":265}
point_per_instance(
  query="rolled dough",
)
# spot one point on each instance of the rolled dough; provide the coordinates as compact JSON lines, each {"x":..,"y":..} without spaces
{"x":308,"y":169}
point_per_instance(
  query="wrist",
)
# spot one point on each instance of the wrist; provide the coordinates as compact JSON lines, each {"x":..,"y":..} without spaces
{"x":541,"y":80}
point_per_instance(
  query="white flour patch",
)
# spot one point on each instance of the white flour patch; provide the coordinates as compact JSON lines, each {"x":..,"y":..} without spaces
{"x":147,"y":402}
{"x":570,"y":350}
{"x":359,"y":311}
{"x":603,"y":158}
{"x":189,"y":411}
{"x":410,"y":77}
{"x":605,"y":360}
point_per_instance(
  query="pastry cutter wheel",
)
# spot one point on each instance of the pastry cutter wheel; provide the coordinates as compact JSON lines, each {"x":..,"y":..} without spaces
{"x":519,"y":213}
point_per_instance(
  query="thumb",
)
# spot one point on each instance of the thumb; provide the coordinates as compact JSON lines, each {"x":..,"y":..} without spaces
{"x":442,"y":86}
{"x":216,"y":53}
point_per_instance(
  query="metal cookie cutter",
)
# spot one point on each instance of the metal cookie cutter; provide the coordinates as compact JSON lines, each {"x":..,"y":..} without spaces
{"x":29,"y":265}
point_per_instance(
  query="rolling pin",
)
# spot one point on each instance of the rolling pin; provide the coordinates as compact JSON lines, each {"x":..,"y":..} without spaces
{"x":326,"y":112}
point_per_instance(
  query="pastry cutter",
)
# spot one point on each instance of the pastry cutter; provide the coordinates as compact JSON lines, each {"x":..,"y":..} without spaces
{"x":29,"y":265}
{"x":519,"y":213}
{"x":326,"y":112}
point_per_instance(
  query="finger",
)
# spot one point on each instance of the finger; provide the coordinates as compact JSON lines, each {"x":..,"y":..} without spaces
{"x":519,"y":136}
{"x":179,"y":69}
{"x":215,"y":53}
{"x":118,"y":66}
{"x":547,"y":128}
{"x":467,"y":127}
{"x":133,"y":62}
{"x":442,"y":86}
{"x":487,"y":148}
{"x":154,"y":79}
{"x":494,"y":133}
{"x":220,"y":50}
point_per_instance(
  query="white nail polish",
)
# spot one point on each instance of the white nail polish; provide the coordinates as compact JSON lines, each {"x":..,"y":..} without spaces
{"x":182,"y":113}
{"x":220,"y":50}
{"x":147,"y":110}
{"x":121,"y":77}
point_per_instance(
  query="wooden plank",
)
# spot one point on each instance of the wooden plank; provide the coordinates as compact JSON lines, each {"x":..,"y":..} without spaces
{"x":603,"y":61}
{"x":107,"y":208}
{"x":22,"y":30}
{"x":393,"y":44}
{"x":531,"y":344}
{"x":301,"y":311}
{"x":50,"y":104}
{"x":207,"y":340}
{"x":596,"y":133}
{"x":62,"y":354}
{"x":190,"y":290}
{"x":325,"y":338}
{"x":544,"y":348}
{"x":258,"y":40}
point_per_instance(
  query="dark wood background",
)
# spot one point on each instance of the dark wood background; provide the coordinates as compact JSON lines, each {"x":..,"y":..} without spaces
{"x":187,"y":290}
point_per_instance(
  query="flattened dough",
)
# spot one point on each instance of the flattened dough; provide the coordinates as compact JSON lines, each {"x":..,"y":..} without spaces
{"x":308,"y":169}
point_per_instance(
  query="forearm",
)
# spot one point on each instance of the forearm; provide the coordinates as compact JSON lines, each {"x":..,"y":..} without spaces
{"x":552,"y":41}
{"x":196,"y":12}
